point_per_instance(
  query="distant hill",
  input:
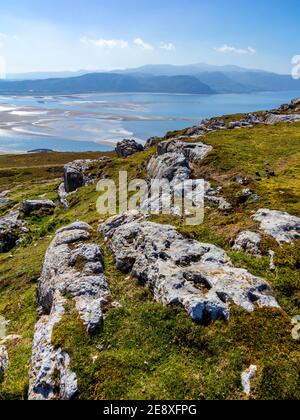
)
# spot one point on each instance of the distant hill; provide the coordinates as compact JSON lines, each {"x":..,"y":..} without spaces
{"x":224,"y":79}
{"x":107,"y":82}
{"x":194,"y":79}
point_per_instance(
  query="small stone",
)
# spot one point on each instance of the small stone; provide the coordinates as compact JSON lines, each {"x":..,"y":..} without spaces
{"x":272,"y":263}
{"x":248,"y":242}
{"x":247,"y":378}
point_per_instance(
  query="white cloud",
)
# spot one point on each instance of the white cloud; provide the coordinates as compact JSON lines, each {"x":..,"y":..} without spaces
{"x":227,"y":49}
{"x":105,"y":43}
{"x":139,"y":42}
{"x":167,"y":46}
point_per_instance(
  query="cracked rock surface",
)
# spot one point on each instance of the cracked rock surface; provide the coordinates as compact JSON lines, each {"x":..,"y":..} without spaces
{"x":180,"y":271}
{"x":73,"y":269}
{"x":280,"y":225}
{"x":248,"y":242}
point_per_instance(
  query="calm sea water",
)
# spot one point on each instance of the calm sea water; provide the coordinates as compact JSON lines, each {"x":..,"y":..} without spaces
{"x":97,"y":122}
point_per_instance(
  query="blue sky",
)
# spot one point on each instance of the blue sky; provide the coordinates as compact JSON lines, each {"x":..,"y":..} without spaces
{"x":36,"y":35}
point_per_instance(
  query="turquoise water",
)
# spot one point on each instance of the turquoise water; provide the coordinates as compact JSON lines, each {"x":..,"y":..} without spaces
{"x":98,"y":121}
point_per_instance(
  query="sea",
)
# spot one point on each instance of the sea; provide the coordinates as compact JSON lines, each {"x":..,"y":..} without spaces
{"x":96,"y":122}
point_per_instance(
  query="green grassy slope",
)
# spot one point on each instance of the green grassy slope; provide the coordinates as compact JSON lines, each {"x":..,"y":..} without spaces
{"x":147,"y":351}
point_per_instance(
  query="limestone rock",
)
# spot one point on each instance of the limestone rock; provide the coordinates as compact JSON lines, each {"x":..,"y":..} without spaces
{"x":247,"y":378}
{"x":38,"y":206}
{"x":12,"y":229}
{"x":193,"y":152}
{"x":3,"y":199}
{"x":76,"y":173}
{"x":73,"y":269}
{"x":248,"y":242}
{"x":4,"y":361}
{"x":180,"y":271}
{"x":171,"y":166}
{"x":127,"y":148}
{"x":274,"y":119}
{"x":281,"y":226}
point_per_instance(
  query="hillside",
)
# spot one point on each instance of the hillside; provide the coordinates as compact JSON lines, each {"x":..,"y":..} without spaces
{"x":147,"y":349}
{"x":106,"y":82}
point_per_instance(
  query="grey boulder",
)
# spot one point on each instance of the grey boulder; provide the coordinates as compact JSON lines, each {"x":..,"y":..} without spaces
{"x":280,"y":225}
{"x":127,"y":148}
{"x":41,"y":207}
{"x":248,"y":242}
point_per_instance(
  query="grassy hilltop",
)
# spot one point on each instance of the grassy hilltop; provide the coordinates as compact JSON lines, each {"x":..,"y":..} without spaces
{"x":148,"y":351}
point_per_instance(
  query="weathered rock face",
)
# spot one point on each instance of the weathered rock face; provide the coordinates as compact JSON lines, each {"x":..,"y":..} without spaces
{"x":171,"y":166}
{"x":41,"y":207}
{"x":12,"y":228}
{"x":4,"y":361}
{"x":127,"y":148}
{"x":3,"y":199}
{"x":248,"y":242}
{"x":281,"y":226}
{"x":198,"y":276}
{"x":173,"y":162}
{"x":74,"y":177}
{"x":193,"y":152}
{"x":73,"y":269}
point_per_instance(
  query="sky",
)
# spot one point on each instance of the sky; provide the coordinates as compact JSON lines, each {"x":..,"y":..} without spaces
{"x":36,"y":35}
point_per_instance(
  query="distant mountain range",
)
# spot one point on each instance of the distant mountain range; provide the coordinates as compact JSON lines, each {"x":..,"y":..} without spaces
{"x":193,"y":79}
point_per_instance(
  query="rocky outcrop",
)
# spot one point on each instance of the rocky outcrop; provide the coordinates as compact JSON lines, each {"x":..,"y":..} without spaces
{"x":77,"y":174}
{"x":193,"y":152}
{"x":72,"y":271}
{"x":38,"y":207}
{"x":4,"y":361}
{"x":287,"y":113}
{"x":248,"y":242}
{"x":173,"y":167}
{"x":174,"y":162}
{"x":4,"y":199}
{"x":127,"y":148}
{"x":12,"y":230}
{"x":180,"y":271}
{"x":275,"y":118}
{"x":281,"y":226}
